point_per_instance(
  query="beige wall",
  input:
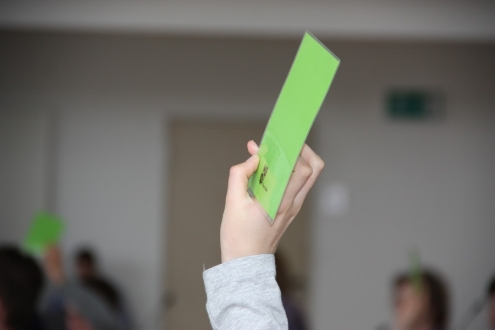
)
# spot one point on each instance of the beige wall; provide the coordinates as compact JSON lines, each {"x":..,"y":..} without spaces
{"x":427,"y":184}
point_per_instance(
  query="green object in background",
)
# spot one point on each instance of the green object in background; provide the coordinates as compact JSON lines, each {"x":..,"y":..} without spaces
{"x":415,"y":272}
{"x":46,"y":229}
{"x":302,"y":95}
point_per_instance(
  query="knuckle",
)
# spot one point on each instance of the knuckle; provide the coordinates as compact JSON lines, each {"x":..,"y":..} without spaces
{"x":319,"y":164}
{"x":306,"y":171}
{"x":229,"y":199}
{"x":234,"y":170}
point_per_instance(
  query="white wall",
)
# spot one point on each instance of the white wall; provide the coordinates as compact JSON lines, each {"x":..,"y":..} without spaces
{"x":411,"y":184}
{"x":426,"y":185}
{"x":23,"y":168}
{"x":109,"y":190}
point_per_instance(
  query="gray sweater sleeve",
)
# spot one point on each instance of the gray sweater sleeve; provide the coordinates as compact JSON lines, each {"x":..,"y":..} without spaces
{"x":243,"y":294}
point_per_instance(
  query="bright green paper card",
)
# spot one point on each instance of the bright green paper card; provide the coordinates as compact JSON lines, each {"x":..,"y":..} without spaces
{"x":46,"y":229}
{"x":296,"y":108}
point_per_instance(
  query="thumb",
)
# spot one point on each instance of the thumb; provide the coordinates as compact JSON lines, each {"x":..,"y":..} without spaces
{"x":239,"y":176}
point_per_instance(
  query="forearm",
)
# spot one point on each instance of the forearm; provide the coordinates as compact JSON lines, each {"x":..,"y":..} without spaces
{"x":243,"y":294}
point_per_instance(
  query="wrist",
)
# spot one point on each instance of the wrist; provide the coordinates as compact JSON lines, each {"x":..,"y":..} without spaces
{"x":231,"y":254}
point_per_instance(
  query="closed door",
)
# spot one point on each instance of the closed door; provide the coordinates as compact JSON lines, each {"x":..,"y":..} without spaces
{"x":202,"y":154}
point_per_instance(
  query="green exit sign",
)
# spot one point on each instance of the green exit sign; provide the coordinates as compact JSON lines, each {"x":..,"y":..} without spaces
{"x":413,"y":104}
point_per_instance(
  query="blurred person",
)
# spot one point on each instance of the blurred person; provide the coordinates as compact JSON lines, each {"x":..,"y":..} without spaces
{"x":75,"y":321}
{"x":242,"y":292}
{"x":21,"y":283}
{"x":86,"y":266}
{"x":87,"y":270}
{"x":491,"y":303}
{"x":70,"y":305}
{"x":422,"y":305}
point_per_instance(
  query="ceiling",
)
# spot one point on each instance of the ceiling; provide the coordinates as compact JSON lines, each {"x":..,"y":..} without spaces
{"x":456,"y":20}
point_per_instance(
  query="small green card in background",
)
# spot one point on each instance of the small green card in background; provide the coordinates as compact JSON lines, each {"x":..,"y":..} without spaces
{"x":302,"y":95}
{"x":46,"y":229}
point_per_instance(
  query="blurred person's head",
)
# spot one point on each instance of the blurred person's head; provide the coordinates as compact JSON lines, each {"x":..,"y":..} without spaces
{"x":491,"y":302}
{"x":21,"y":281}
{"x":86,"y":263}
{"x":421,"y":304}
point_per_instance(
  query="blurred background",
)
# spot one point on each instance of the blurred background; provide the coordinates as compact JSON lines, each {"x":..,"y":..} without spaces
{"x":124,"y":117}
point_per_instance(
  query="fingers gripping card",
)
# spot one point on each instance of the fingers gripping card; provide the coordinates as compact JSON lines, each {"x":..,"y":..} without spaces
{"x":296,"y":108}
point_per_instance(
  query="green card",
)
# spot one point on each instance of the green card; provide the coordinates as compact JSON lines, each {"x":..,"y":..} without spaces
{"x":415,"y":270}
{"x":298,"y":104}
{"x":46,"y":229}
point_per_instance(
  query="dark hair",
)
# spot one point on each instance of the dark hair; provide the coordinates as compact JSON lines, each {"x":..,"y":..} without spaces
{"x":491,"y":288}
{"x":21,"y":281}
{"x":105,"y":291}
{"x":437,"y":292}
{"x":86,"y":255}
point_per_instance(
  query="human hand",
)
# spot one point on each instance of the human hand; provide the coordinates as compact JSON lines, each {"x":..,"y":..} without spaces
{"x":54,"y":265}
{"x":244,"y":230}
